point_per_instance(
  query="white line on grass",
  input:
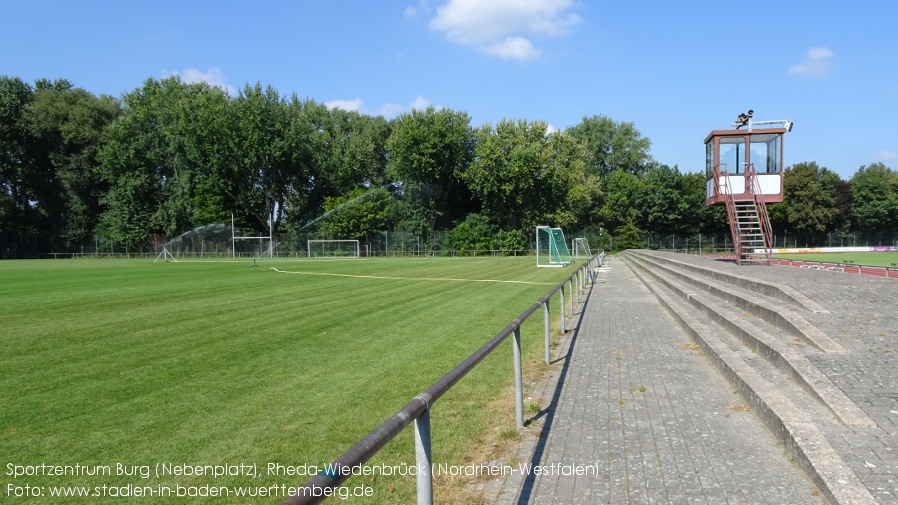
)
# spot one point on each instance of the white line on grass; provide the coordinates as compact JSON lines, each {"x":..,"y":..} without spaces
{"x":411,"y":278}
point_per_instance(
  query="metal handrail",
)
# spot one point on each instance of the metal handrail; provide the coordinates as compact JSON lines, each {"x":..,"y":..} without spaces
{"x":763,"y":217}
{"x":730,"y":205}
{"x":418,"y":408}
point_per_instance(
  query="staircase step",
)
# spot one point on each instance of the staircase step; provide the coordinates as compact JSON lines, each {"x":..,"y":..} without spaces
{"x":789,"y":393}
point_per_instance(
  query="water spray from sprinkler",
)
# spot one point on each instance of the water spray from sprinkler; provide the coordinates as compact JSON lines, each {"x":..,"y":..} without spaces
{"x":390,"y":187}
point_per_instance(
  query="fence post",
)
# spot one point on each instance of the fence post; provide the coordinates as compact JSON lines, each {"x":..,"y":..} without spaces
{"x":518,"y":379}
{"x":570,"y":284}
{"x":547,"y":325}
{"x":561,"y":306}
{"x":424,"y":458}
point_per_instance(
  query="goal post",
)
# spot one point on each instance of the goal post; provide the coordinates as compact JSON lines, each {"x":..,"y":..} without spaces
{"x":343,"y":249}
{"x":580,"y":248}
{"x":551,"y":248}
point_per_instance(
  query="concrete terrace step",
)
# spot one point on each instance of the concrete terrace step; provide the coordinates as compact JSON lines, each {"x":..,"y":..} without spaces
{"x":633,"y":399}
{"x":774,"y":290}
{"x":787,"y":356}
{"x":858,"y":312}
{"x":783,"y":407}
{"x":631,"y":393}
{"x":740,"y":293}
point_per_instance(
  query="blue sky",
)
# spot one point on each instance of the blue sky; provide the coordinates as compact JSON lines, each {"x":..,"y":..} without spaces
{"x":676,"y":69}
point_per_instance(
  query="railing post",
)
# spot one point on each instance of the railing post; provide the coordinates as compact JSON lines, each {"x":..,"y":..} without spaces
{"x":561,"y":311}
{"x":547,"y":325}
{"x":570,"y":284}
{"x":424,"y":458}
{"x":518,"y":380}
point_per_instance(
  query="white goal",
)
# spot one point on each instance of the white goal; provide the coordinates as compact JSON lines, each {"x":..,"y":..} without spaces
{"x":333,"y":248}
{"x":551,"y":248}
{"x":580,"y":248}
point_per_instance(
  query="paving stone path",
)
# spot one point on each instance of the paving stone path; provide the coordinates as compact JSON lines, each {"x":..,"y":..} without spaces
{"x":643,"y":417}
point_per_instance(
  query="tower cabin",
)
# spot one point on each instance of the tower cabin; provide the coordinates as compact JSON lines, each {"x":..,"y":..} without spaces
{"x":744,"y":172}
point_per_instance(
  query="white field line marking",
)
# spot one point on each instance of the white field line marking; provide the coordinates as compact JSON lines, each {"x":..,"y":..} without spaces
{"x":411,"y":278}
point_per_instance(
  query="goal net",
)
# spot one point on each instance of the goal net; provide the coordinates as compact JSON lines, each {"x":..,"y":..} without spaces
{"x":581,"y":248}
{"x":333,"y":248}
{"x":551,"y":248}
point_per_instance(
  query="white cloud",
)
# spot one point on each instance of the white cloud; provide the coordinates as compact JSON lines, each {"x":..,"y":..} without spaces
{"x":886,"y":156}
{"x":503,"y":27}
{"x":387,"y":110}
{"x":345,"y":104}
{"x":213,"y":76}
{"x":419,"y":9}
{"x":817,"y":64}
{"x":515,"y":48}
{"x":421,"y":103}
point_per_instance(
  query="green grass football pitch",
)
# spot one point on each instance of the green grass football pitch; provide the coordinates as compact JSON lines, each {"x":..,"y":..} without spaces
{"x":127,"y":364}
{"x":882,"y":259}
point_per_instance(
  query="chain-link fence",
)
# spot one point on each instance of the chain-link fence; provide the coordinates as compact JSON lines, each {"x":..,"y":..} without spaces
{"x":216,"y":241}
{"x":722,"y":243}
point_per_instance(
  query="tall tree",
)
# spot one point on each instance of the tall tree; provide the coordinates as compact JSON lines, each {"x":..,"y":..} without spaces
{"x":49,"y":139}
{"x":874,"y":191}
{"x":836,"y":195}
{"x":808,"y":208}
{"x":613,"y":145}
{"x":262,"y":168}
{"x":670,"y":201}
{"x":526,"y":177}
{"x":68,"y":124}
{"x":152,"y":161}
{"x":17,"y":215}
{"x":623,"y":192}
{"x":348,"y":153}
{"x":429,"y":153}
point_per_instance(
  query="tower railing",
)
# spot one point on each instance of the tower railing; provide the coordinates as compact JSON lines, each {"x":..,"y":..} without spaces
{"x":761,"y":206}
{"x":722,"y":178}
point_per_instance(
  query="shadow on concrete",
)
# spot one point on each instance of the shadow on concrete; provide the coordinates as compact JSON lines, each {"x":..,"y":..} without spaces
{"x":549,"y":412}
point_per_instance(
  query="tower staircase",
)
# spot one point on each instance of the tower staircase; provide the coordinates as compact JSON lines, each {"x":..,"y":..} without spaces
{"x":749,"y":222}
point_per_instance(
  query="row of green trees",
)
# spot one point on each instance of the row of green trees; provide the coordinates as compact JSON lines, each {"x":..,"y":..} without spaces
{"x":170,"y":156}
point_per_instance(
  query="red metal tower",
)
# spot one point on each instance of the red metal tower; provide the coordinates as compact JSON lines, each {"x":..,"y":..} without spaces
{"x":744,"y":171}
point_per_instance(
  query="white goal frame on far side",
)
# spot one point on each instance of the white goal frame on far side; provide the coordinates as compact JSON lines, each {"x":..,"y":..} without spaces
{"x":342,"y":249}
{"x":580,"y":248}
